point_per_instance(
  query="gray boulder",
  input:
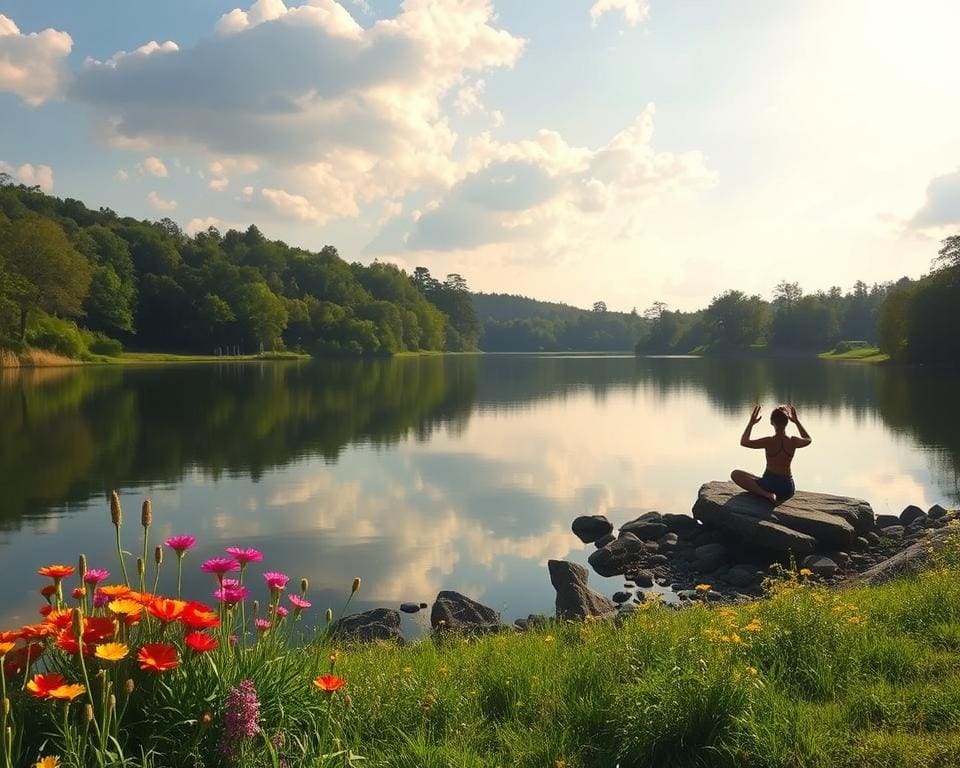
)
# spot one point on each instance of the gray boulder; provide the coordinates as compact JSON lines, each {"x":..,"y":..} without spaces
{"x":798,"y":526}
{"x":885,"y":521}
{"x":589,"y":528}
{"x":575,"y":600}
{"x":644,"y":579}
{"x":936,"y":512}
{"x":823,"y":567}
{"x":907,"y":562}
{"x":911,"y":513}
{"x":615,"y":558}
{"x":455,"y":612}
{"x":645,"y":527}
{"x":379,"y":624}
{"x":604,"y":540}
{"x":682,"y":525}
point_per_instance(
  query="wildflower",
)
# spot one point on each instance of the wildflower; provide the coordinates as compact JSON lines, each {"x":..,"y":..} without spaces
{"x":115,"y":590}
{"x":95,"y":575}
{"x":6,"y":647}
{"x":298,"y":602}
{"x":180,"y":544}
{"x":98,"y":628}
{"x":703,"y":588}
{"x":806,"y":573}
{"x":232,"y":595}
{"x":198,"y":616}
{"x":329,"y":683}
{"x":50,"y":761}
{"x":166,"y":610}
{"x":752,"y":671}
{"x":67,"y":692}
{"x":548,"y":639}
{"x":856,"y":620}
{"x":220,"y":565}
{"x":443,"y":671}
{"x":753,"y":626}
{"x":355,"y":586}
{"x":57,"y":572}
{"x":78,"y":593}
{"x":200,"y":642}
{"x":60,"y":619}
{"x":262,"y":625}
{"x":276,"y":581}
{"x":41,"y":684}
{"x":49,"y":591}
{"x":111,"y":651}
{"x":125,"y":607}
{"x":282,"y":612}
{"x":241,"y":717}
{"x":158,"y":657}
{"x":245,"y":556}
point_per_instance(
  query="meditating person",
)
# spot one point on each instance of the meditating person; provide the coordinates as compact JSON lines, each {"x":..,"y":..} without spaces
{"x":776,"y":484}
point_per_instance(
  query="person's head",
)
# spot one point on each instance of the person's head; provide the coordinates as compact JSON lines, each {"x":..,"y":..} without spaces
{"x":780,"y":418}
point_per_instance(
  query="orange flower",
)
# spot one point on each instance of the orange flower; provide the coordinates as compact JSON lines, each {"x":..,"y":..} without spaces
{"x":67,"y":692}
{"x":143,"y":598}
{"x":41,"y":685}
{"x":166,"y":610}
{"x":68,"y":643}
{"x":57,"y":572}
{"x":111,"y":651}
{"x":49,"y":590}
{"x":98,"y":628}
{"x":114,"y":590}
{"x":6,"y":647}
{"x":6,"y":637}
{"x":125,"y":607}
{"x":329,"y":683}
{"x":60,"y":619}
{"x":197,"y":616}
{"x":158,"y":657}
{"x":200,"y":642}
{"x":37,"y":631}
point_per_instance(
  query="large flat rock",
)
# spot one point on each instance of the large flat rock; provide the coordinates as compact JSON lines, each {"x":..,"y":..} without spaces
{"x":806,"y":522}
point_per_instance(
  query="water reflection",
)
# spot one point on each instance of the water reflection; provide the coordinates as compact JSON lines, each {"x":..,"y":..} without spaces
{"x":427,"y":473}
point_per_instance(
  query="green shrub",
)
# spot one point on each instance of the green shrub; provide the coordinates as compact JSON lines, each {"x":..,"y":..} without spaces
{"x":101,"y":344}
{"x":56,"y":335}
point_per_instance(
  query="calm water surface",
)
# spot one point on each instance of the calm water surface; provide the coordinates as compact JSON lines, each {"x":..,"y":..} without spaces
{"x":421,"y":474}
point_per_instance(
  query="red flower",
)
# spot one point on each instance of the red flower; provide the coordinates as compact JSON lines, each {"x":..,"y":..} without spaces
{"x":166,"y":610}
{"x":60,"y":619}
{"x":158,"y":657}
{"x":329,"y":683}
{"x":68,"y":643}
{"x":96,"y":629}
{"x":200,"y":642}
{"x":49,"y":590}
{"x":198,"y":616}
{"x":57,"y":572}
{"x":41,"y":685}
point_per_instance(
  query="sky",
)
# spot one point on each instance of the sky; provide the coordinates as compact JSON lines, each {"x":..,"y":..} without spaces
{"x":627,"y":151}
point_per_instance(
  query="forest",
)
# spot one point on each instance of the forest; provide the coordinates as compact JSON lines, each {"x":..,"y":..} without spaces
{"x":149,"y":286}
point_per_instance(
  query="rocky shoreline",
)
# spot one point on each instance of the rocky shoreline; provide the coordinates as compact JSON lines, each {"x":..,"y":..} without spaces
{"x":722,"y":553}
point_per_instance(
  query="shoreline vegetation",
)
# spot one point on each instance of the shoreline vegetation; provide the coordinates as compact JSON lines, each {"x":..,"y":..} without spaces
{"x":119,"y":673}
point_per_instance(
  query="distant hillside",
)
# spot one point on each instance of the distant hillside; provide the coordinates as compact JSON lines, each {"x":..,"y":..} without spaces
{"x":519,"y":324}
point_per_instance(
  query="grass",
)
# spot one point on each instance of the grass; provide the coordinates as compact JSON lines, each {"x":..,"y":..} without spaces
{"x":149,"y":358}
{"x":863,"y":354}
{"x":864,"y":677}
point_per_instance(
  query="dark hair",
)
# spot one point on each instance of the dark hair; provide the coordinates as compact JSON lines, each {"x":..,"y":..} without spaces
{"x":780,"y":417}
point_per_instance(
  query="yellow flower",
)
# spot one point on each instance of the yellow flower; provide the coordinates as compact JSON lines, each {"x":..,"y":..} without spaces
{"x":806,"y":572}
{"x":731,"y":638}
{"x":125,"y":607}
{"x":68,"y":692}
{"x":752,"y":671}
{"x":753,"y":626}
{"x":407,"y":670}
{"x":48,"y":762}
{"x":856,"y":621}
{"x":444,"y":671}
{"x":111,"y":651}
{"x":703,"y":588}
{"x":548,"y":639}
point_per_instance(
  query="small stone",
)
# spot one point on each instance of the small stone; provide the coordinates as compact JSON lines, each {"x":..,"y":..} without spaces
{"x":657,"y":560}
{"x":520,"y":624}
{"x":645,"y":527}
{"x":936,"y":512}
{"x":621,"y":597}
{"x":687,"y":594}
{"x":625,"y":608}
{"x":667,"y":541}
{"x":821,"y":566}
{"x":424,"y":606}
{"x":589,"y":528}
{"x":604,"y":540}
{"x":911,"y":513}
{"x":713,"y":597}
{"x":410,"y":607}
{"x":644,"y":579}
{"x":861,"y":542}
{"x":840,"y":558}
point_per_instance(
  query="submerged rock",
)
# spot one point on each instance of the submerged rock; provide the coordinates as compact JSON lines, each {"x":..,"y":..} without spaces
{"x":575,"y":600}
{"x":455,"y":612}
{"x":410,"y":607}
{"x":369,"y":626}
{"x":589,"y":528}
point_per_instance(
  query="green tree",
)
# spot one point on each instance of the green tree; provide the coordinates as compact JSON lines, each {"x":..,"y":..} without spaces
{"x":262,"y":314}
{"x":45,"y":271}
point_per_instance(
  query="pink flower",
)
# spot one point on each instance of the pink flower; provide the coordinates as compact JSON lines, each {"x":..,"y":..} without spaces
{"x":95,"y":575}
{"x":298,"y":602}
{"x":245,"y":556}
{"x":231,"y":595}
{"x":100,"y":598}
{"x":180,"y":543}
{"x":230,"y":583}
{"x":281,"y":611}
{"x":220,"y":565}
{"x":276,"y":581}
{"x":262,"y":624}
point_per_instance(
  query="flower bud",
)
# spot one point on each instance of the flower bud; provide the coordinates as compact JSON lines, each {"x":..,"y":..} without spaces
{"x":329,"y":615}
{"x":77,"y":620}
{"x":356,"y":586}
{"x":79,"y":593}
{"x":347,"y":701}
{"x":128,"y":686}
{"x":141,"y":568}
{"x":116,"y":514}
{"x":82,"y":566}
{"x":112,"y":701}
{"x":6,"y":707}
{"x":88,"y":713}
{"x":206,"y":719}
{"x":158,"y":555}
{"x":256,"y":607}
{"x":304,"y":586}
{"x":146,"y":514}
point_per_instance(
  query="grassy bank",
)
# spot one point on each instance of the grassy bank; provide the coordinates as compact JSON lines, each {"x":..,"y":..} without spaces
{"x":152,"y":358}
{"x":865,"y":677}
{"x":862,"y":354}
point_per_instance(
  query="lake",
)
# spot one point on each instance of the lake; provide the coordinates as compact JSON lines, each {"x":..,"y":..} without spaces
{"x":428,"y":473}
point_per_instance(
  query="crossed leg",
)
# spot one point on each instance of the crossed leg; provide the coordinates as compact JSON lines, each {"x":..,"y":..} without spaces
{"x":749,"y":483}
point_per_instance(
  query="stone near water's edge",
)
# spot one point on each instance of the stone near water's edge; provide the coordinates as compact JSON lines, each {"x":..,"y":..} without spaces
{"x":885,"y":521}
{"x":455,"y":612}
{"x":379,"y":624}
{"x":907,"y":562}
{"x":936,"y":512}
{"x":615,"y":558}
{"x":604,"y":540}
{"x":575,"y":600}
{"x":798,"y":526}
{"x":646,"y":528}
{"x":589,"y":528}
{"x":409,"y":607}
{"x":911,"y":513}
{"x":682,"y":525}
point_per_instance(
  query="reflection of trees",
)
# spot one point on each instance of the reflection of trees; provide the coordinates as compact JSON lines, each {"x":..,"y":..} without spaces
{"x":74,"y":434}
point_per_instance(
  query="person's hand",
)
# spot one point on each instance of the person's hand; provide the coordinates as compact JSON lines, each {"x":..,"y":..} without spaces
{"x":792,"y":413}
{"x":755,"y":415}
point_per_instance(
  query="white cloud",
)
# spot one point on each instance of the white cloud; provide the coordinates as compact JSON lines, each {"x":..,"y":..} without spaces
{"x":344,"y":115}
{"x":125,"y":57}
{"x":203,"y":224}
{"x":292,"y":206}
{"x":941,"y":209}
{"x":218,"y":185}
{"x":634,"y":11}
{"x":32,"y":65}
{"x":121,"y":175}
{"x":160,"y":204}
{"x":29,"y":174}
{"x":155,"y":167}
{"x":468,"y":98}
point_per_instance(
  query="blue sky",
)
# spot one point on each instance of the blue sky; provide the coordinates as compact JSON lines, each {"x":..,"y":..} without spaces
{"x":624,"y":150}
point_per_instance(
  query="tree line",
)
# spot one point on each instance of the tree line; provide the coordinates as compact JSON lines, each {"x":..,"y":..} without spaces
{"x":149,"y":285}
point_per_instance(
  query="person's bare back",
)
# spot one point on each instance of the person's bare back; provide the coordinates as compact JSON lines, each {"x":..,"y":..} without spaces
{"x":776,"y":484}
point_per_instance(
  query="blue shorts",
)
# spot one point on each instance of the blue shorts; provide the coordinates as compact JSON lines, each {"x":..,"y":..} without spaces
{"x":780,"y":485}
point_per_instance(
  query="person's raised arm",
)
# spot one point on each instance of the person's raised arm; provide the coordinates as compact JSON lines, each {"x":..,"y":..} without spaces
{"x":804,"y":440}
{"x":745,"y":440}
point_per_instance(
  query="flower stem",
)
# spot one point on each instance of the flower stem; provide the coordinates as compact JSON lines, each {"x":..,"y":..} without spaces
{"x":123,"y":565}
